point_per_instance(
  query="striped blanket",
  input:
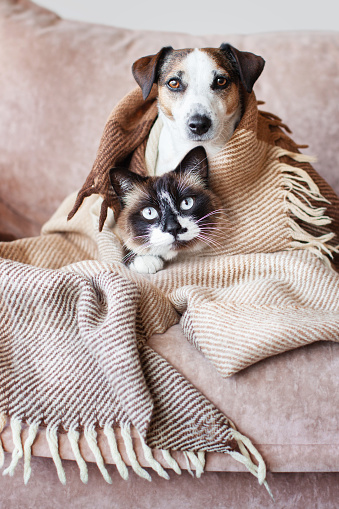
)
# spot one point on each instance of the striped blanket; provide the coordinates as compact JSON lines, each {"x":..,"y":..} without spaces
{"x":75,"y":320}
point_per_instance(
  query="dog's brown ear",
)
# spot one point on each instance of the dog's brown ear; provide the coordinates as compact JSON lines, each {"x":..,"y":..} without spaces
{"x":145,"y":70}
{"x":249,"y":65}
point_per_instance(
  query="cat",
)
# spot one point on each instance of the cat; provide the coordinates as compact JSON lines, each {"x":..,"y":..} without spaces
{"x":163,"y":216}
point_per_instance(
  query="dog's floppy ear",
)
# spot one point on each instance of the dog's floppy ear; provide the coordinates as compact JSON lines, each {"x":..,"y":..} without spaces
{"x":145,"y":70}
{"x":195,"y":162}
{"x":249,"y":65}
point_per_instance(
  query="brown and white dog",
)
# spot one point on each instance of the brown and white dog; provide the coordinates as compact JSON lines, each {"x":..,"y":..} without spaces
{"x":200,"y":96}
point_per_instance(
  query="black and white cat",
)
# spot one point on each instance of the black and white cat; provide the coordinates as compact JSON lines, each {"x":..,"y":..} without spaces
{"x":163,"y":216}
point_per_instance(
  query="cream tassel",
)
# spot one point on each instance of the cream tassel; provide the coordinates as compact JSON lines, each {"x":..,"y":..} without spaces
{"x":317,"y":245}
{"x":91,"y":437}
{"x":152,"y":461}
{"x":296,"y":156}
{"x":3,"y":420}
{"x":18,"y":451}
{"x":246,"y":447}
{"x":73,"y":437}
{"x":294,"y":183}
{"x":299,"y":189}
{"x":171,"y":461}
{"x":293,"y":174}
{"x":202,"y":458}
{"x":32,"y":433}
{"x":126,"y":435}
{"x":300,"y":210}
{"x":199,"y":468}
{"x":112,"y":442}
{"x":188,"y":466}
{"x":52,"y":439}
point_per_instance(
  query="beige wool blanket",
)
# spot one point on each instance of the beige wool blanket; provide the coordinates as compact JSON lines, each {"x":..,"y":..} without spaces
{"x":75,"y":320}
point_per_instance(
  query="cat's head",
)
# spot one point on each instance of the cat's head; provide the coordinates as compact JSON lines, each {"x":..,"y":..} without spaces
{"x":168,"y":214}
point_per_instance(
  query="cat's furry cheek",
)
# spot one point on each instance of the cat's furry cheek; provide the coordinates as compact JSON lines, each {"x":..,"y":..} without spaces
{"x":146,"y":264}
{"x":192,"y":228}
{"x":159,"y":238}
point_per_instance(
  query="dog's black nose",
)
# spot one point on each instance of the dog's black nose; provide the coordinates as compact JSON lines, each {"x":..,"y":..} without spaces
{"x":199,"y":124}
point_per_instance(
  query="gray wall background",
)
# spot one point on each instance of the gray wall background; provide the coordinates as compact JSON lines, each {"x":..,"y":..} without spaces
{"x":203,"y":16}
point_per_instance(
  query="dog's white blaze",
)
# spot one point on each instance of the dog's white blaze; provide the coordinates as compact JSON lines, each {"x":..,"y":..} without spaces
{"x":193,"y":229}
{"x":199,"y":98}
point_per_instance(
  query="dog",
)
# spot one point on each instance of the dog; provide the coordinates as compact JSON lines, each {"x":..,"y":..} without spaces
{"x":200,"y":97}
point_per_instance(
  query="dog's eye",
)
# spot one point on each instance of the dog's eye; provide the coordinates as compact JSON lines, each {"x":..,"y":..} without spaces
{"x":221,"y":81}
{"x":149,"y":213}
{"x":174,"y":83}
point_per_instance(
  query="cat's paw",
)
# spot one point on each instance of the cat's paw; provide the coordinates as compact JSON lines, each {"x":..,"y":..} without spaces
{"x":147,"y":264}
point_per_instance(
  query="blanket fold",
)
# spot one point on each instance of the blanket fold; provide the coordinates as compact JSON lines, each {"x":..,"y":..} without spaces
{"x":73,"y":347}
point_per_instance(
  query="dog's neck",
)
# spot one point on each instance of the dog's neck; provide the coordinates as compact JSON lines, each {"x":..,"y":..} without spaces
{"x":172,"y":147}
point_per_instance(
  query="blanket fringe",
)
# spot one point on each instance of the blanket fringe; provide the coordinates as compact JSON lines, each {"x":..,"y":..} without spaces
{"x":117,"y":458}
{"x":91,"y":438}
{"x":53,"y":443}
{"x":17,"y":453}
{"x":244,"y":456}
{"x":195,"y":460}
{"x":32,"y":433}
{"x":151,"y":460}
{"x":298,"y":189}
{"x":171,"y":461}
{"x":202,"y":458}
{"x":127,"y":437}
{"x":188,"y":465}
{"x":3,"y":420}
{"x":73,"y":437}
{"x":90,"y":434}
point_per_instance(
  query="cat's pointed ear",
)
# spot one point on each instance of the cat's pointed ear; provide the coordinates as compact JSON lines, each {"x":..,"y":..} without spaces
{"x":123,"y":181}
{"x":195,"y":162}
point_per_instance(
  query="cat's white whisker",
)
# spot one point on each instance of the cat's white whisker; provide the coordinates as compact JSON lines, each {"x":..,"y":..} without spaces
{"x":207,"y":243}
{"x":210,"y":240}
{"x":210,"y":214}
{"x":221,"y":229}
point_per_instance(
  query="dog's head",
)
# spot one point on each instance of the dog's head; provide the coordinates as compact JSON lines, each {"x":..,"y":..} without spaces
{"x":200,"y":90}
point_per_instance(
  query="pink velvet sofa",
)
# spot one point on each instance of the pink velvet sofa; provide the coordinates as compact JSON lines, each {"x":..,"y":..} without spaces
{"x":58,"y":83}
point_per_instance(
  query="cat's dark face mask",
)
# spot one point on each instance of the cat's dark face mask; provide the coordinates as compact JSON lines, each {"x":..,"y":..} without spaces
{"x":173,"y":212}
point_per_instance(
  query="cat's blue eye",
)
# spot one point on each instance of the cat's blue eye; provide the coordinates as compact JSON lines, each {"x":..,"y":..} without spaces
{"x":187,"y":203}
{"x":149,"y":213}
